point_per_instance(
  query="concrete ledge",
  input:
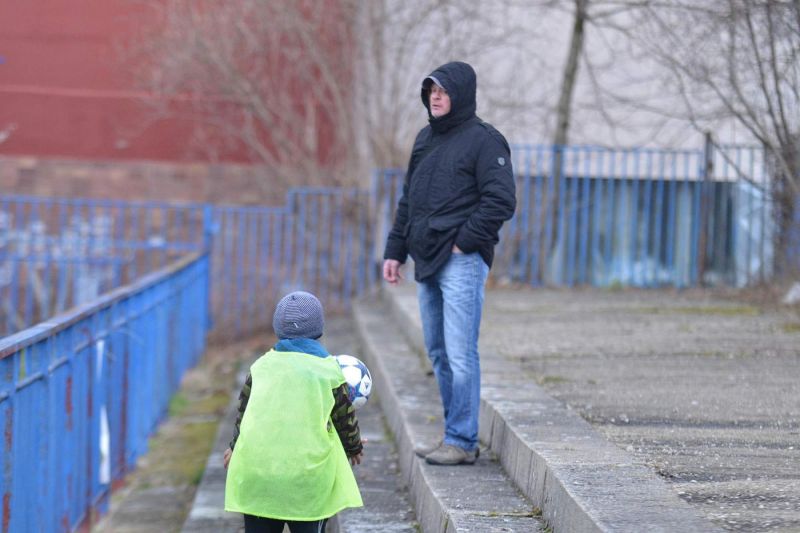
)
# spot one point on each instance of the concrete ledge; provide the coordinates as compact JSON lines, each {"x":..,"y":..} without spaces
{"x":579,"y":480}
{"x":475,"y":498}
{"x":207,"y":514}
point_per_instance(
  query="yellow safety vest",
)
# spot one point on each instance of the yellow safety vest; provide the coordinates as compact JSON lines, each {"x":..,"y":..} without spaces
{"x":288,"y":462}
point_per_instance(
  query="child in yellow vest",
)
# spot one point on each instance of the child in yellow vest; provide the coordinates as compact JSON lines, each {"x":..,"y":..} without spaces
{"x":296,"y":437}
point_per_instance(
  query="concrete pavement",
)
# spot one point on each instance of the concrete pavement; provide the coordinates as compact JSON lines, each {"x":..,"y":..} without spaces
{"x":703,"y":391}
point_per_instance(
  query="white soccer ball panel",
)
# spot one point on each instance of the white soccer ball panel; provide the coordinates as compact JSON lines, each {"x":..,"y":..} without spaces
{"x":366,"y":385}
{"x":359,"y":402}
{"x":347,"y":360}
{"x":353,"y":375}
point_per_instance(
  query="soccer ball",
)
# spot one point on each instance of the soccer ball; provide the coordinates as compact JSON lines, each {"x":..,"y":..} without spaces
{"x":358,"y":378}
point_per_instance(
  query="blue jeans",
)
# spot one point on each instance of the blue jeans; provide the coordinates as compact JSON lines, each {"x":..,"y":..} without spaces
{"x":450,"y":304}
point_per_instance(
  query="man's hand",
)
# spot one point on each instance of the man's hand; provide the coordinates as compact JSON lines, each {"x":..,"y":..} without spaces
{"x":391,"y":271}
{"x":226,"y":458}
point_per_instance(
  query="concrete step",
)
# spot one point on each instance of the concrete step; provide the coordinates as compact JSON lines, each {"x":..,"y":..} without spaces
{"x":579,"y":480}
{"x":385,"y":497}
{"x":386,"y":505}
{"x":207,"y":514}
{"x":478,"y":498}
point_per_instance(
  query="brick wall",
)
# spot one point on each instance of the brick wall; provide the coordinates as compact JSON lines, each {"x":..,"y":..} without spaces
{"x":174,"y":182}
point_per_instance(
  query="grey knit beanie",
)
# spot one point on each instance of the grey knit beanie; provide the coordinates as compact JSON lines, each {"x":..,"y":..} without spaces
{"x":298,"y":315}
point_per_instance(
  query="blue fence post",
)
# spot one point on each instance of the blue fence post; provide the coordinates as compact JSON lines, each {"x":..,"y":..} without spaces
{"x":210,"y":230}
{"x":636,"y":178}
{"x":610,"y":233}
{"x":586,"y":205}
{"x":596,"y":261}
{"x":649,"y":259}
{"x":706,"y":171}
{"x":525,"y":235}
{"x":625,"y":222}
{"x":762,"y":215}
{"x":337,"y":244}
{"x":794,"y":238}
{"x":535,"y":278}
{"x":659,"y":219}
{"x":742,"y":230}
{"x":364,"y":255}
{"x":571,"y":181}
{"x":252,"y":290}
{"x":560,"y":229}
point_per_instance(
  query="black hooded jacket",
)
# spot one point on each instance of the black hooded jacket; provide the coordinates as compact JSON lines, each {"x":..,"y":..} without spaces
{"x":459,"y":187}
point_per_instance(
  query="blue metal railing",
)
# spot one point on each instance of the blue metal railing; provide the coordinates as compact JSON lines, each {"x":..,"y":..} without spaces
{"x":636,"y":217}
{"x":319,"y":241}
{"x":586,"y":215}
{"x":78,"y":249}
{"x":643,"y":217}
{"x":81,"y":393}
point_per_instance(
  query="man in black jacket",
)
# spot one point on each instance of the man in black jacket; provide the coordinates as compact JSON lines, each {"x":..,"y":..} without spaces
{"x":459,"y":189}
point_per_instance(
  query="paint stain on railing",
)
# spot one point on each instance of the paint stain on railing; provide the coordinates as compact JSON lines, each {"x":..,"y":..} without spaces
{"x":123,"y":419}
{"x":6,"y":511}
{"x":8,"y":431}
{"x":22,"y":370}
{"x":8,"y":435}
{"x":68,"y":403}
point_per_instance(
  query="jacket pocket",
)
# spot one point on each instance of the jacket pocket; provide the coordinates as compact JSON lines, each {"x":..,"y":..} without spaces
{"x":440,"y":224}
{"x":424,"y":240}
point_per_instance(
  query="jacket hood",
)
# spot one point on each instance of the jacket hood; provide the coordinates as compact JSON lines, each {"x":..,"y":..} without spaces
{"x":460,"y":82}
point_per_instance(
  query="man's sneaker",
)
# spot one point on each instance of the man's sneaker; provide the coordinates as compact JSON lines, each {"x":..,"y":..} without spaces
{"x":452,"y":455}
{"x":423,"y":450}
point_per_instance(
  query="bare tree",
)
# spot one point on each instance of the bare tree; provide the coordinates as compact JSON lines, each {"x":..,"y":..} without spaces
{"x":737,"y":60}
{"x":266,"y":78}
{"x":271,"y":77}
{"x":401,"y":41}
{"x":564,"y":107}
{"x":603,"y":76}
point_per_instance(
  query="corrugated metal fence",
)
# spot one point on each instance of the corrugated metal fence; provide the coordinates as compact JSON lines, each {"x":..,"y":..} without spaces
{"x":643,"y":217}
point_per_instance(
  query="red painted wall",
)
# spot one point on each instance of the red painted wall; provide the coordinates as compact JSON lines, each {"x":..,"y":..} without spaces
{"x":64,"y":91}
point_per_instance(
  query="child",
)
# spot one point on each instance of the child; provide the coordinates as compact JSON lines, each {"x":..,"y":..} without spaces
{"x":296,"y":430}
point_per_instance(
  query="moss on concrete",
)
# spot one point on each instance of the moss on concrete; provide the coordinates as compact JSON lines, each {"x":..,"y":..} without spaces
{"x":707,"y":310}
{"x":552,"y":380}
{"x":178,"y":451}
